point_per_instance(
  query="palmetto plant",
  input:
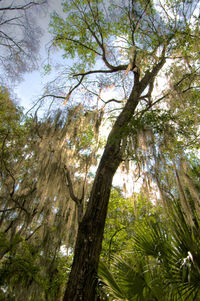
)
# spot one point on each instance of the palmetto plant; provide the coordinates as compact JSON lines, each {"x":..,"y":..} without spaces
{"x":163,"y":265}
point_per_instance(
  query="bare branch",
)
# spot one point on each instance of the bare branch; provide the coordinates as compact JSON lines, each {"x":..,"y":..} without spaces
{"x":52,"y":95}
{"x":70,"y":186}
{"x":10,"y":39}
{"x":9,"y":20}
{"x":112,"y":100}
{"x":9,"y":209}
{"x":28,"y":237}
{"x":149,"y":76}
{"x":119,"y":68}
{"x":22,"y":7}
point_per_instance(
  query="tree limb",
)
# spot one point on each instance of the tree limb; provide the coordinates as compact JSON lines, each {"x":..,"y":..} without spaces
{"x":70,"y":186}
{"x":22,"y":7}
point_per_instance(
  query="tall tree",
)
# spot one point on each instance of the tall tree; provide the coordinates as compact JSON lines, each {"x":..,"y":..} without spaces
{"x":129,"y":42}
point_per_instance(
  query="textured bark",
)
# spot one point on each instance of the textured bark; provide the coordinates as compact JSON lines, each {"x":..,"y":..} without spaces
{"x":83,"y":276}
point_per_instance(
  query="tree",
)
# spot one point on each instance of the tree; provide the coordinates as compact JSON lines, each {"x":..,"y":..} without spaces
{"x":133,"y":40}
{"x":19,"y":37}
{"x":37,"y":203}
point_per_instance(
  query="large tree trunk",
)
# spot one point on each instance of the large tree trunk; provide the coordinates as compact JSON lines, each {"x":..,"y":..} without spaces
{"x":83,"y":277}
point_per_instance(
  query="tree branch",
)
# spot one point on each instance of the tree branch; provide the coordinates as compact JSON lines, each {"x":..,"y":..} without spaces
{"x":70,"y":186}
{"x":77,"y":42}
{"x":115,"y":69}
{"x":22,"y":7}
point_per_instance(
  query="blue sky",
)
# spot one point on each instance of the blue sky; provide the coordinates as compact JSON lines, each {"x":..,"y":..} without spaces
{"x":28,"y":90}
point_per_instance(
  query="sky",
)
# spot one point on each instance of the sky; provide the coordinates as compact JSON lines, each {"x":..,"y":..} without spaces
{"x":30,"y":88}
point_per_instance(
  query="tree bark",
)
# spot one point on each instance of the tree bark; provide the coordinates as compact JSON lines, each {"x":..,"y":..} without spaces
{"x":83,"y":277}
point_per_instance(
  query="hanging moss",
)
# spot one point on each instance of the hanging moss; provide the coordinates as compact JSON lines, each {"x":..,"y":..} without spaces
{"x":39,"y":208}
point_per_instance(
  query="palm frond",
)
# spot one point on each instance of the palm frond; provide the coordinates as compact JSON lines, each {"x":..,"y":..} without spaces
{"x":110,"y":282}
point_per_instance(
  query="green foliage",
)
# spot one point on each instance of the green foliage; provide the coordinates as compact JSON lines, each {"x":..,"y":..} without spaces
{"x":160,"y":260}
{"x":75,"y":31}
{"x":26,"y":273}
{"x":47,"y":69}
{"x":11,"y":120}
{"x":163,"y":263}
{"x":14,"y":131}
{"x":123,"y":216}
{"x":91,"y":28}
{"x":119,"y":224}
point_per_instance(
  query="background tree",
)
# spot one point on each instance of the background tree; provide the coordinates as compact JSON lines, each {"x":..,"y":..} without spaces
{"x":163,"y":260}
{"x":41,"y":194}
{"x":122,"y":217}
{"x":19,"y":37}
